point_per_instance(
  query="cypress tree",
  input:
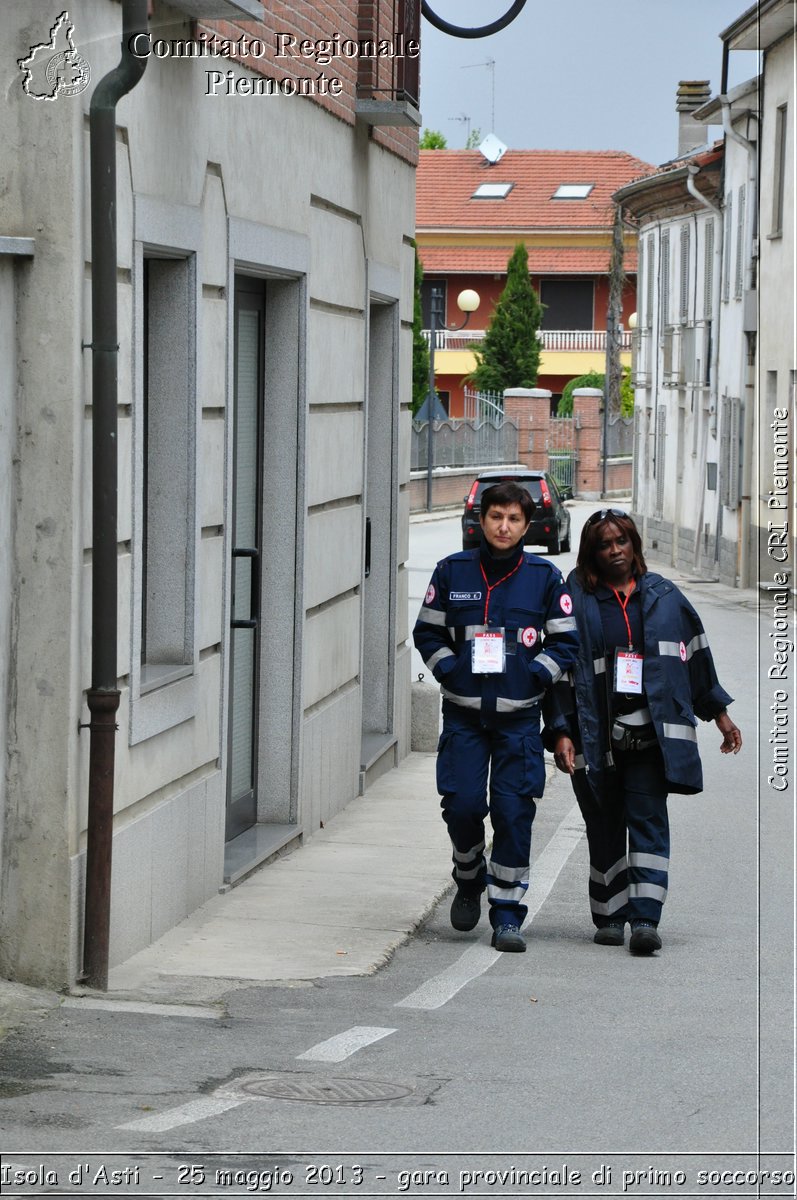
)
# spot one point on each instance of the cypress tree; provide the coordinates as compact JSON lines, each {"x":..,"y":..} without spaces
{"x":509,"y":356}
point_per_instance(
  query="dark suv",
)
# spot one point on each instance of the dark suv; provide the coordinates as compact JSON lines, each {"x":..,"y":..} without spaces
{"x":550,"y":525}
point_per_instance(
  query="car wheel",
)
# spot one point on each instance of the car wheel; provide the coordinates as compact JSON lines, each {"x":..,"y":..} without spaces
{"x":566,"y":543}
{"x":554,"y":546}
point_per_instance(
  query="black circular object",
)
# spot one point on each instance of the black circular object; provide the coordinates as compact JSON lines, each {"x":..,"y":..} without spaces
{"x":478,"y":31}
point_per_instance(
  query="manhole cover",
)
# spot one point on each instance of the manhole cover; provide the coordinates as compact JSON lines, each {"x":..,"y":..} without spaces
{"x":317,"y":1089}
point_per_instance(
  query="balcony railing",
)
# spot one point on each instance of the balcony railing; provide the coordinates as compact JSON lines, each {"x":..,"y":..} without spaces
{"x":552,"y":339}
{"x":388,"y":84}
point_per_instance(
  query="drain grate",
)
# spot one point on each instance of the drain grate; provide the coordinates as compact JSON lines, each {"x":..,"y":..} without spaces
{"x":320,"y":1089}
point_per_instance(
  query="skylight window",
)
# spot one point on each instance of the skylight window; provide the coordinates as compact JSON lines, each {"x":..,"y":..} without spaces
{"x":492,"y":191}
{"x":573,"y":191}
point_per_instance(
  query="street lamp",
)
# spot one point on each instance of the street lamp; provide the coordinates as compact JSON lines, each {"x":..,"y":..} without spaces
{"x":467,"y":302}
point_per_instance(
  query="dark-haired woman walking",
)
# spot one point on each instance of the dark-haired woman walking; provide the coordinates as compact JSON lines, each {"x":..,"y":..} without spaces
{"x":624,"y":724}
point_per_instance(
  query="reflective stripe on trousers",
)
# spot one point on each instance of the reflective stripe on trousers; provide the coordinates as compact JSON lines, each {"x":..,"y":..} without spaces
{"x":629,"y":841}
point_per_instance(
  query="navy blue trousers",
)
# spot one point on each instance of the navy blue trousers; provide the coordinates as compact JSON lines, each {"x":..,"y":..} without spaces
{"x":510,"y":753}
{"x":629,"y":838}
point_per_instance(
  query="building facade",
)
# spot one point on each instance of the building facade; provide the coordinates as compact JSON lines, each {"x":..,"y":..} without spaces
{"x":714,"y":347}
{"x":471,"y":214}
{"x":264,"y":281}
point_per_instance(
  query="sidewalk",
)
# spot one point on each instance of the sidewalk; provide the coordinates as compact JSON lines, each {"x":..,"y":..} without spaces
{"x":339,"y":905}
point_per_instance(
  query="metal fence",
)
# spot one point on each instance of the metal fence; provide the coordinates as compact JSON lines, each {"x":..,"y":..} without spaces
{"x":464,"y":443}
{"x":562,"y":447}
{"x":620,"y":437}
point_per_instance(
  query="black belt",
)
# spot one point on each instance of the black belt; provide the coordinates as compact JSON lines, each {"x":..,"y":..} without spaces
{"x":625,"y":738}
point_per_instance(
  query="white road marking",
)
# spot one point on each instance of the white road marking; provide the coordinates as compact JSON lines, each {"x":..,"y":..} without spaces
{"x":478,"y":959}
{"x":335,"y":1049}
{"x":185,"y":1114}
{"x":135,"y":1006}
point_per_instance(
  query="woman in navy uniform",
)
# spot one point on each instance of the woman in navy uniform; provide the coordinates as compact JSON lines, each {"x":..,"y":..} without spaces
{"x":496,"y":630}
{"x":624,"y":725}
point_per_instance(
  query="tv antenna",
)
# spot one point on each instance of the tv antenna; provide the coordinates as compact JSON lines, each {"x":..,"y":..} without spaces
{"x":464,"y":119}
{"x":490,"y":62}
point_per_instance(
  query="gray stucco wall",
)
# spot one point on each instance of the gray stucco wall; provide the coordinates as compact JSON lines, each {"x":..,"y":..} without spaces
{"x":280,"y":189}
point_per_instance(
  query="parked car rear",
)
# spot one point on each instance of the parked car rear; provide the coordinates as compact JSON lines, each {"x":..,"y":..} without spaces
{"x":550,"y":525}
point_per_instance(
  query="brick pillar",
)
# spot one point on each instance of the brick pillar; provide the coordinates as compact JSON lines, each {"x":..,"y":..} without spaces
{"x":530,"y":409}
{"x":588,"y":414}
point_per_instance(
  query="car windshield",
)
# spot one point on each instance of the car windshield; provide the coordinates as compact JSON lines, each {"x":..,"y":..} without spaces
{"x":532,"y":486}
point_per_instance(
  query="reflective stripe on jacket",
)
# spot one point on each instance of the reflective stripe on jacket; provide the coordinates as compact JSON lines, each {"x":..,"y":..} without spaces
{"x":532,"y":606}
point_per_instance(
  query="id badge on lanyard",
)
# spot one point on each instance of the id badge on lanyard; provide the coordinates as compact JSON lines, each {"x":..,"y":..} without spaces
{"x":627,"y":663}
{"x":488,"y":653}
{"x":628,"y":671}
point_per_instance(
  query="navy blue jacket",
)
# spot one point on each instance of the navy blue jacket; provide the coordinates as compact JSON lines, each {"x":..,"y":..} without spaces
{"x":679,"y":679}
{"x":532,"y":606}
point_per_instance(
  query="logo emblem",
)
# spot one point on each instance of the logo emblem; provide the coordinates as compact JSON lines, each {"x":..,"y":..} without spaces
{"x":682,"y":652}
{"x":430,"y":594}
{"x":55,"y":68}
{"x":529,"y":636}
{"x":566,"y":604}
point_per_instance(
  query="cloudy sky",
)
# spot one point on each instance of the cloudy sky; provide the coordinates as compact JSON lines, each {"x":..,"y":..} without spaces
{"x":575,"y":74}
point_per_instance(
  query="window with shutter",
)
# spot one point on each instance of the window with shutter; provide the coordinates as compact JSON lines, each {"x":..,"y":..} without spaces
{"x":708,"y":269}
{"x":730,"y":451}
{"x":734,"y":452}
{"x":664,"y":313}
{"x":726,"y":248}
{"x":661,"y":430}
{"x":779,"y":183}
{"x":649,"y":298}
{"x":724,"y":461}
{"x":683,"y":307}
{"x":739,"y":276}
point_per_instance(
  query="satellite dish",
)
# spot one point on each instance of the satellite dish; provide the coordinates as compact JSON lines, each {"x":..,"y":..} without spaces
{"x":492,"y":148}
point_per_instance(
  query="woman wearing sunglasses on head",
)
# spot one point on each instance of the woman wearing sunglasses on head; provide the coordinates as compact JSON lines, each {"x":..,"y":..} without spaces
{"x":623,"y":726}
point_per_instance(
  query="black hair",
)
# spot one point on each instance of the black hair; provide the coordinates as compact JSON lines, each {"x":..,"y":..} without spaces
{"x":587,"y":563}
{"x":507,"y":492}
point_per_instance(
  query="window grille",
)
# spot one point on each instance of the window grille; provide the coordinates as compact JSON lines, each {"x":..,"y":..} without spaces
{"x":708,"y":269}
{"x":649,"y":260}
{"x":684,"y":280}
{"x":739,"y":277}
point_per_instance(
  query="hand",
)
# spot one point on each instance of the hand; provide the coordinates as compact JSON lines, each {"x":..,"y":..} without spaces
{"x":564,"y":754}
{"x":731,"y":734}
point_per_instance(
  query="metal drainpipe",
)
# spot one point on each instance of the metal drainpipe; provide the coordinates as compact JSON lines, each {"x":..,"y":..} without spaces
{"x":103,"y":695}
{"x":745,"y":512}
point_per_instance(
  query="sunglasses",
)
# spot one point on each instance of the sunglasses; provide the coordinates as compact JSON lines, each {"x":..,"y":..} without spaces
{"x":603,"y":514}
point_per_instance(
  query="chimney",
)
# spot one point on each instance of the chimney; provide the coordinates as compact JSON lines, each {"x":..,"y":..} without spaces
{"x":692,"y":93}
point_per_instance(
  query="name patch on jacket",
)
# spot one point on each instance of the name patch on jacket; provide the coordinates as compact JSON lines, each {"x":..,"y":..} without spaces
{"x":464,"y":595}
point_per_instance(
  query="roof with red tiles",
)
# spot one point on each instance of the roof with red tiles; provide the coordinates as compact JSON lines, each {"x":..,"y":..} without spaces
{"x":447,"y":179}
{"x":546,"y":260}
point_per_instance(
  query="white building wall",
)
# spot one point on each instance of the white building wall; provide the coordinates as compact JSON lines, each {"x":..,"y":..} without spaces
{"x":775,"y":374}
{"x":279,"y":188}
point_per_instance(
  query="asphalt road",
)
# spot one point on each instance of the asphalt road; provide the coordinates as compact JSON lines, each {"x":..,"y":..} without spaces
{"x":592,"y":1072}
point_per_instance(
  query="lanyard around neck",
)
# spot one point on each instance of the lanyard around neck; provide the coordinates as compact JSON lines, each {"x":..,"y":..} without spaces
{"x":491,"y":586}
{"x":624,"y":605}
